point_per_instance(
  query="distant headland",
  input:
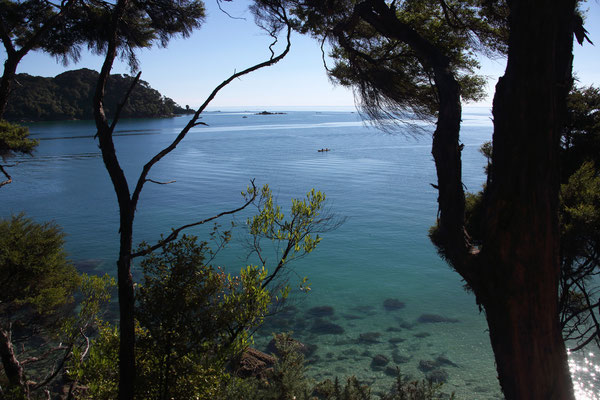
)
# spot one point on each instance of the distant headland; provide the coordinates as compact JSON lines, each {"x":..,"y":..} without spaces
{"x":68,"y":96}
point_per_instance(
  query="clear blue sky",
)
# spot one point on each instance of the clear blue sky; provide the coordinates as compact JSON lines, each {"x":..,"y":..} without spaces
{"x":189,"y":69}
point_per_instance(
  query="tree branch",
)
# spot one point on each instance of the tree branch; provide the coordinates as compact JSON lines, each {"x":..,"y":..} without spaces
{"x":8,"y":177}
{"x":160,"y":183}
{"x":194,"y":119}
{"x":175,"y":233}
{"x":125,"y":98}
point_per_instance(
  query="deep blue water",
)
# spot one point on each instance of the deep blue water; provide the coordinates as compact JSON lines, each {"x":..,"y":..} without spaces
{"x":379,"y":182}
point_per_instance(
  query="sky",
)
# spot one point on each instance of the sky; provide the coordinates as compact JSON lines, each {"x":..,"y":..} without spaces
{"x":188,"y":69}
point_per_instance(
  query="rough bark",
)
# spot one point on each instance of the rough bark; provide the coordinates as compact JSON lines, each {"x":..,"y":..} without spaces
{"x":12,"y":367}
{"x":127,"y":370}
{"x":519,"y":260}
{"x":446,"y":150}
{"x":515,"y":274}
{"x":10,"y":70}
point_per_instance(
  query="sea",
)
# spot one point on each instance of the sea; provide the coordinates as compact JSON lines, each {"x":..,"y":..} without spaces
{"x":380,"y":301}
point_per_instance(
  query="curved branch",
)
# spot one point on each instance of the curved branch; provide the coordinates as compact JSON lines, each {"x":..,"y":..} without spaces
{"x":193,"y":121}
{"x":175,"y":233}
{"x":8,"y":177}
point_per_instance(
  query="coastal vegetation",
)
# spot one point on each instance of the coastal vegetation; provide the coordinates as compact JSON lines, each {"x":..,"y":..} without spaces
{"x":69,"y":96}
{"x":417,"y":56}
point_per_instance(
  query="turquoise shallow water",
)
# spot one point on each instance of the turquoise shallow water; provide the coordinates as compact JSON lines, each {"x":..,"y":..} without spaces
{"x":378,"y":181}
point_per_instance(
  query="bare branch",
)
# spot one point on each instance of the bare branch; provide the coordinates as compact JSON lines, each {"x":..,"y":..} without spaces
{"x":160,"y":183}
{"x":226,"y":13}
{"x":44,"y":355}
{"x":175,"y":233}
{"x":87,"y":345}
{"x":56,"y":370}
{"x":8,"y":177}
{"x":323,"y":54}
{"x":194,"y":119}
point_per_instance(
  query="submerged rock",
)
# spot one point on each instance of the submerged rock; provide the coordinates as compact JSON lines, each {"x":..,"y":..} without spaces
{"x":437,"y":376}
{"x":406,"y":325}
{"x":364,"y":309}
{"x":369,"y":337}
{"x":321,"y":311}
{"x":422,"y":335}
{"x":352,"y":316}
{"x":350,"y":352}
{"x":391,"y":371}
{"x":323,"y":327}
{"x":395,"y":340}
{"x":393,"y":329}
{"x":393,"y":304}
{"x":379,"y":361}
{"x":399,"y":358}
{"x":443,"y":360}
{"x":427,"y":365}
{"x":435,"y":318}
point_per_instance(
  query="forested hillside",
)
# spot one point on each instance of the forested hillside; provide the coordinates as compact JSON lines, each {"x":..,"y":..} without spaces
{"x":69,"y":96}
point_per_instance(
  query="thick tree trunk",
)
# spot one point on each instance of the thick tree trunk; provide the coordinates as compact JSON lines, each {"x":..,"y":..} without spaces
{"x":519,"y":260}
{"x":10,"y":70}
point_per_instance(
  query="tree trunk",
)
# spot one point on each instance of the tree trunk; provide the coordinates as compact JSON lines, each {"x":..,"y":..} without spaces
{"x":446,"y":150}
{"x":127,"y":370}
{"x":12,"y":366}
{"x":519,"y":262}
{"x":10,"y":70}
{"x":450,"y":238}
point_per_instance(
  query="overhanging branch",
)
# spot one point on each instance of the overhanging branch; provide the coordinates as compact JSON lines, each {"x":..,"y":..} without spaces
{"x":193,"y":121}
{"x":175,"y":233}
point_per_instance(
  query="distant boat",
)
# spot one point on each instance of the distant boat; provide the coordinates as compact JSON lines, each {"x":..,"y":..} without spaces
{"x":322,"y":150}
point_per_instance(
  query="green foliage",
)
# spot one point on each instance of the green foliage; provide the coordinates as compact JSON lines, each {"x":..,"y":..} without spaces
{"x":392,"y":77}
{"x":192,"y":318}
{"x":14,"y":139}
{"x":99,"y":372}
{"x":196,"y":317}
{"x":37,"y":279}
{"x":407,"y":389}
{"x":288,"y":380}
{"x":581,"y":135}
{"x":36,"y":304}
{"x":85,"y":24}
{"x":69,"y":96}
{"x":580,"y":254}
{"x":294,"y":237}
{"x":271,"y":224}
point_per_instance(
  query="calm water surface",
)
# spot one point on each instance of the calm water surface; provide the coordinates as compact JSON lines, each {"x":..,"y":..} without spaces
{"x":380,"y":182}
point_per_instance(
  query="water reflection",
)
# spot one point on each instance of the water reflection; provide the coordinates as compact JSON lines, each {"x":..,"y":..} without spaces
{"x":585,"y":370}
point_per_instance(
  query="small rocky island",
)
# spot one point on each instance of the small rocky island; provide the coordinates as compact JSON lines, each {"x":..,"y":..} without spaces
{"x":270,"y":113}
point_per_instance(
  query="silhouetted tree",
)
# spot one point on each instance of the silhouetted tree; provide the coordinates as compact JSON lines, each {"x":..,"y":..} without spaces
{"x":271,"y":16}
{"x":514,"y":270}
